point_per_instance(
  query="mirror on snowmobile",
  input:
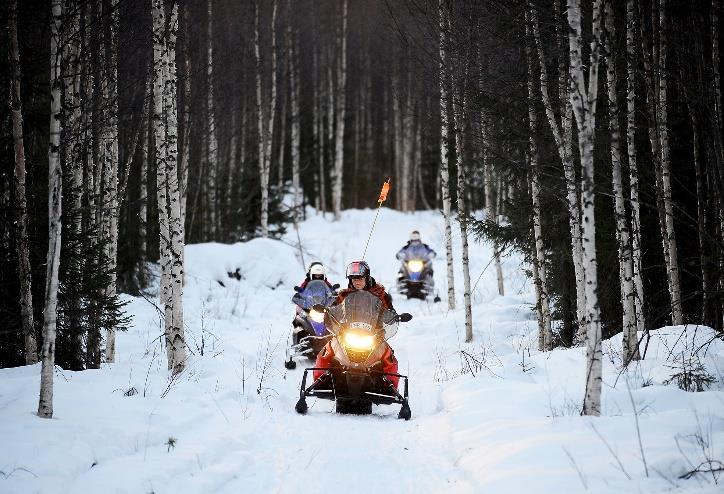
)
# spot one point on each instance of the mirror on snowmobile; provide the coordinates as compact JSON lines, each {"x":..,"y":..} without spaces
{"x":404,"y":317}
{"x":335,"y":286}
{"x":298,"y":289}
{"x":319,"y":308}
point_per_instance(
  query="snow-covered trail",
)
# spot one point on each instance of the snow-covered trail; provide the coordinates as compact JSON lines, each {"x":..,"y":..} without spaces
{"x":491,"y":416}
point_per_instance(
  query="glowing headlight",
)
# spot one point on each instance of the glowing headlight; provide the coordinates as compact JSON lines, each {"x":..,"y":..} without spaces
{"x":316,"y":316}
{"x":358,"y":341}
{"x":415,"y":265}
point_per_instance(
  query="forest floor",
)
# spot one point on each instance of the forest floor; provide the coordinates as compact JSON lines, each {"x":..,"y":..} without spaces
{"x":493,"y":416}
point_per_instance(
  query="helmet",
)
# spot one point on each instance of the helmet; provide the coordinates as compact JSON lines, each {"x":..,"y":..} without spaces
{"x":316,"y":268}
{"x":358,"y":269}
{"x":415,"y":236}
{"x":316,"y":271}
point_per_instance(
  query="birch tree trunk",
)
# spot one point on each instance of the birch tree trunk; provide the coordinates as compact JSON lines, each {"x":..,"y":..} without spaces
{"x":282,"y":126}
{"x":583,"y":100}
{"x":490,"y":206}
{"x":110,"y":178}
{"x":212,"y":156}
{"x":340,"y":114}
{"x":631,"y":66}
{"x":545,"y":336}
{"x":296,"y":130}
{"x":330,"y":141}
{"x":663,"y":132}
{"x":169,"y":199}
{"x":21,"y":210}
{"x":444,"y":153}
{"x":459,"y":112}
{"x":266,"y":134}
{"x":563,"y":137}
{"x":630,"y":339}
{"x":143,"y":207}
{"x":318,"y":128}
{"x":185,"y":148}
{"x":706,"y":288}
{"x":55,"y":194}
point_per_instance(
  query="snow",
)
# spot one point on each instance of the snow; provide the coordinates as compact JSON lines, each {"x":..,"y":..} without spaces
{"x":492,"y":416}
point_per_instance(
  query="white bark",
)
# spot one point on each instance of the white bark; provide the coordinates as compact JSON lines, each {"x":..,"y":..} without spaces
{"x":663,"y":132}
{"x":110,"y":175}
{"x":55,"y":192}
{"x":319,"y":141}
{"x":296,"y":130}
{"x":630,"y":340}
{"x":212,"y":156}
{"x":21,"y":211}
{"x":265,"y":132}
{"x":545,"y":334}
{"x":331,"y":94}
{"x":444,"y":154}
{"x":282,"y":128}
{"x":340,"y":109}
{"x":459,"y":112}
{"x":169,"y":197}
{"x":583,"y":100}
{"x":631,"y":67}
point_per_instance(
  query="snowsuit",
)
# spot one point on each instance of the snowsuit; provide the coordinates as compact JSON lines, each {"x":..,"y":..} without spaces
{"x":389,"y":362}
{"x":306,"y":281}
{"x":419,"y":247}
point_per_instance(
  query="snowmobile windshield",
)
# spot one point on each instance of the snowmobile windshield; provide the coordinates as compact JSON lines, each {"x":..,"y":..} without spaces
{"x":417,"y":251}
{"x":316,"y":292}
{"x":362,"y":311}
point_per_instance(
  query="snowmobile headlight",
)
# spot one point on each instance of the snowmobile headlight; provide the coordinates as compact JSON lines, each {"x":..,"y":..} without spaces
{"x":358,"y":341}
{"x":316,"y":316}
{"x":415,"y":265}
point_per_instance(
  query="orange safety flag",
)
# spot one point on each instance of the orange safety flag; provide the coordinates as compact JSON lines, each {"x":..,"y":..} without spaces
{"x":384,"y":191}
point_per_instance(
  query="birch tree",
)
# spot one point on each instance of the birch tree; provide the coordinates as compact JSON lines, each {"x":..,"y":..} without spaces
{"x":545,"y":334}
{"x":631,"y":65}
{"x":169,"y":203}
{"x":459,"y":114}
{"x":212,"y":152}
{"x":630,"y":339}
{"x":110,"y":165}
{"x":444,"y":153}
{"x":296,"y":130}
{"x":55,"y":193}
{"x":663,"y":134}
{"x":584,"y":99}
{"x":340,"y":100}
{"x":491,"y":209}
{"x":21,"y":210}
{"x":265,"y":130}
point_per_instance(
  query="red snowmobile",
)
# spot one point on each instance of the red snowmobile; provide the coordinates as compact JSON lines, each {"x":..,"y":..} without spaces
{"x":355,"y":379}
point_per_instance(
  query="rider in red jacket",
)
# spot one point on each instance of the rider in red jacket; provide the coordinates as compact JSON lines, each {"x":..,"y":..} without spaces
{"x":358,"y":274}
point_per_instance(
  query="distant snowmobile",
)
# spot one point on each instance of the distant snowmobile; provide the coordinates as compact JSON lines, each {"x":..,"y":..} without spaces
{"x":309,"y":334}
{"x":415,"y":278}
{"x":360,"y":326}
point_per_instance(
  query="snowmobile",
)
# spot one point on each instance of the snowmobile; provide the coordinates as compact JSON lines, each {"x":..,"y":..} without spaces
{"x":309,"y":334}
{"x":415,"y":276}
{"x":360,"y":326}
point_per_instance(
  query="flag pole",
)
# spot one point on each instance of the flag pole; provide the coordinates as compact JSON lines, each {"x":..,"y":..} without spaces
{"x":382,"y":198}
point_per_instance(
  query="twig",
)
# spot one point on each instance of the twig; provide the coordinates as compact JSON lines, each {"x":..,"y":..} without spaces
{"x":578,"y":470}
{"x":610,"y":450}
{"x":638,"y":429}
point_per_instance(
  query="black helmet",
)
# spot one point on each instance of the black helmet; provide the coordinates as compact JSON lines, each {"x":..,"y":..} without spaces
{"x":358,"y":269}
